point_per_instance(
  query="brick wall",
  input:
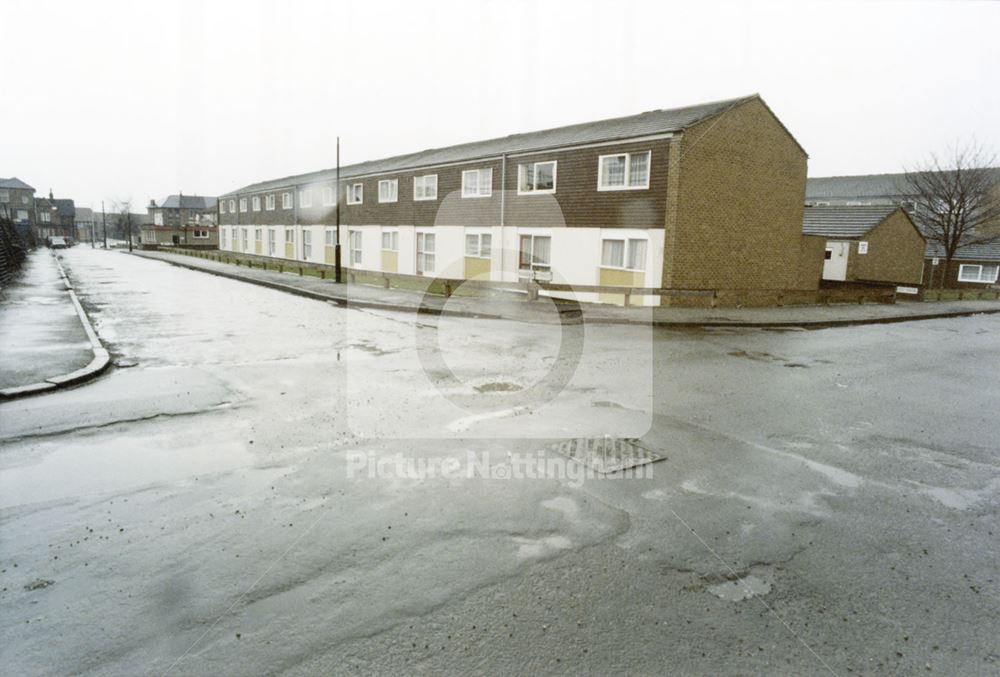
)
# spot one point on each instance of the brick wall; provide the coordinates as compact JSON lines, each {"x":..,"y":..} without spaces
{"x":739,"y":193}
{"x":895,"y":252}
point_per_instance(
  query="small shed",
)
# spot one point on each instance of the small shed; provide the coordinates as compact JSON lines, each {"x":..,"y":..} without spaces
{"x":867,"y":243}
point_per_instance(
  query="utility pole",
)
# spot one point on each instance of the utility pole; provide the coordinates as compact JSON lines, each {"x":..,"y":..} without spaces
{"x":104,"y":222}
{"x":336,"y":199}
{"x":128,"y":221}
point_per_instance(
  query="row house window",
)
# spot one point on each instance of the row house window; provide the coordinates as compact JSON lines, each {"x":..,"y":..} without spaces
{"x":390,"y":241}
{"x":536,"y":177}
{"x":286,"y":200}
{"x":232,"y":206}
{"x":305,"y":198}
{"x":425,"y":253}
{"x":356,"y":248}
{"x":535,"y":252}
{"x":388,"y":190}
{"x":623,"y":171}
{"x":478,"y":245}
{"x":355,"y":193}
{"x":628,"y":254}
{"x":269,"y":202}
{"x":477,"y":182}
{"x":331,"y":237}
{"x":289,"y":235}
{"x":977,"y":273}
{"x":243,"y":204}
{"x":425,"y":187}
{"x":256,"y":203}
{"x":329,"y":197}
{"x":222,"y":206}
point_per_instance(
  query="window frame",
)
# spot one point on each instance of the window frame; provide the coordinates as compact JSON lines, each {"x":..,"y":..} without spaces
{"x":532,"y":265}
{"x":423,"y":179}
{"x":305,"y":198}
{"x":286,"y":200}
{"x":272,"y":242}
{"x":306,"y":243}
{"x":981,"y":267}
{"x":269,"y":202}
{"x":222,"y":206}
{"x":350,"y":193}
{"x":628,"y":171}
{"x":395,"y":190}
{"x":330,"y":237}
{"x":289,"y":236}
{"x":534,"y":172}
{"x":232,"y":206}
{"x":479,"y":175}
{"x":255,"y":203}
{"x":243,"y":205}
{"x":420,"y":248}
{"x":393,"y":240}
{"x":479,"y":246}
{"x":356,"y":255}
{"x":329,"y":196}
{"x":628,"y":244}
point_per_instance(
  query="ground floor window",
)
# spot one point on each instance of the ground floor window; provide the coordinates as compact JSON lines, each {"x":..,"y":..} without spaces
{"x":630,"y":254}
{"x":257,"y":235}
{"x":977,"y":273}
{"x":306,"y":244}
{"x":331,"y":237}
{"x":201,"y":234}
{"x":356,"y":248}
{"x":536,"y":252}
{"x":222,"y":238}
{"x":425,"y":253}
{"x":478,"y":245}
{"x":243,"y":239}
{"x":270,"y":242}
{"x":289,"y":235}
{"x":390,"y":241}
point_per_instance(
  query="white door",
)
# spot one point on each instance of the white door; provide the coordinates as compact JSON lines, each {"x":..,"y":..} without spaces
{"x":835,"y":263}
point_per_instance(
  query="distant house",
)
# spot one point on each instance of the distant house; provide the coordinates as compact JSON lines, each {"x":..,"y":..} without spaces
{"x":182,"y":220}
{"x":17,"y":203}
{"x":184,"y":210}
{"x":867,"y":243}
{"x":85,"y":223}
{"x":55,"y":217}
{"x":974,"y":265}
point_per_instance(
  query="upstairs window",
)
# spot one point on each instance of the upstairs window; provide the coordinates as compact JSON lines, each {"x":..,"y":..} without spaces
{"x":355,"y":193}
{"x":232,"y":206}
{"x":536,"y":177}
{"x":269,"y":202}
{"x":286,"y":200}
{"x":477,"y":183}
{"x":243,"y":204}
{"x":388,"y":190}
{"x":305,"y":198}
{"x":628,"y":254}
{"x":329,"y":199}
{"x":222,"y":206}
{"x":425,"y":187}
{"x":623,"y":171}
{"x":256,"y":203}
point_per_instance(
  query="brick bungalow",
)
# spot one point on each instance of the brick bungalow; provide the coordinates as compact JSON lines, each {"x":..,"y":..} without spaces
{"x":867,"y":243}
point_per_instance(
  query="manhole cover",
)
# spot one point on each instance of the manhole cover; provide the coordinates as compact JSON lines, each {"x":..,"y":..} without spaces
{"x":607,"y":454}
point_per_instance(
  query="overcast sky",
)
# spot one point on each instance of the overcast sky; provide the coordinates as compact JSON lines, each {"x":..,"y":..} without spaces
{"x":105,"y":100}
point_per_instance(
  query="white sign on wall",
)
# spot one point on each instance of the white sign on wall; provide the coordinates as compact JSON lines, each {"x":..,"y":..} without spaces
{"x":862,"y":247}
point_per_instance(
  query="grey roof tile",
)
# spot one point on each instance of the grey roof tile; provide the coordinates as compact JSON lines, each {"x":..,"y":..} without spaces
{"x":843,"y":221}
{"x":14,"y":182}
{"x":643,"y":124}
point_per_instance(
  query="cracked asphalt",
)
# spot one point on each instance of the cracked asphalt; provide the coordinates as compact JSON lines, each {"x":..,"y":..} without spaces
{"x":826,"y":504}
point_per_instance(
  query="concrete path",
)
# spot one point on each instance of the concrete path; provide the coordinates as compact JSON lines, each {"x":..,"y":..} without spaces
{"x":46,"y":339}
{"x":359,"y":295}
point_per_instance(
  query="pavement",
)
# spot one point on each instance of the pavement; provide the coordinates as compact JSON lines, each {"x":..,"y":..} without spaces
{"x":47,"y":339}
{"x":370,"y":296}
{"x":827,"y":501}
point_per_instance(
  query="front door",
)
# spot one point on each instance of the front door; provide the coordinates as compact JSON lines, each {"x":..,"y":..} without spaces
{"x":835,"y":260}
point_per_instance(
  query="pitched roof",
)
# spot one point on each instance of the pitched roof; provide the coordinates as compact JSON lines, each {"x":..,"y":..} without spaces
{"x":972,"y":252}
{"x":843,"y":221}
{"x":188,"y":202}
{"x":14,"y":182}
{"x":861,"y":186}
{"x":643,"y":124}
{"x":84,"y":214}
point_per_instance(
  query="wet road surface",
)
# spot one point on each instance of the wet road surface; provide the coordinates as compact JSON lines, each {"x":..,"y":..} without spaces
{"x":206,"y":507}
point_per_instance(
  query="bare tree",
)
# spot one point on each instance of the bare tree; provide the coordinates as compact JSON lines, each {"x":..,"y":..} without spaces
{"x":124,"y":209}
{"x":957,"y":200}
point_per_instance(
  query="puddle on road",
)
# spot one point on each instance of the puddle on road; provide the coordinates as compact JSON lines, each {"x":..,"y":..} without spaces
{"x":741,"y":588}
{"x":498,"y":387}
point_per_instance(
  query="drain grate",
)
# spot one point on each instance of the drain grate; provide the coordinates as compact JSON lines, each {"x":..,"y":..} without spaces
{"x":607,"y":454}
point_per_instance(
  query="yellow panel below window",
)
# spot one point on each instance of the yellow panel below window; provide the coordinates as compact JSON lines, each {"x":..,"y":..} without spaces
{"x":329,"y":254}
{"x":390,"y":262}
{"x":477,"y":268}
{"x":257,"y":248}
{"x":613,"y":277}
{"x":289,"y":250}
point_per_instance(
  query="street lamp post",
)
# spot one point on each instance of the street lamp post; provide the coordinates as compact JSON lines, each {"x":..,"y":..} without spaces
{"x":338,"y":275}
